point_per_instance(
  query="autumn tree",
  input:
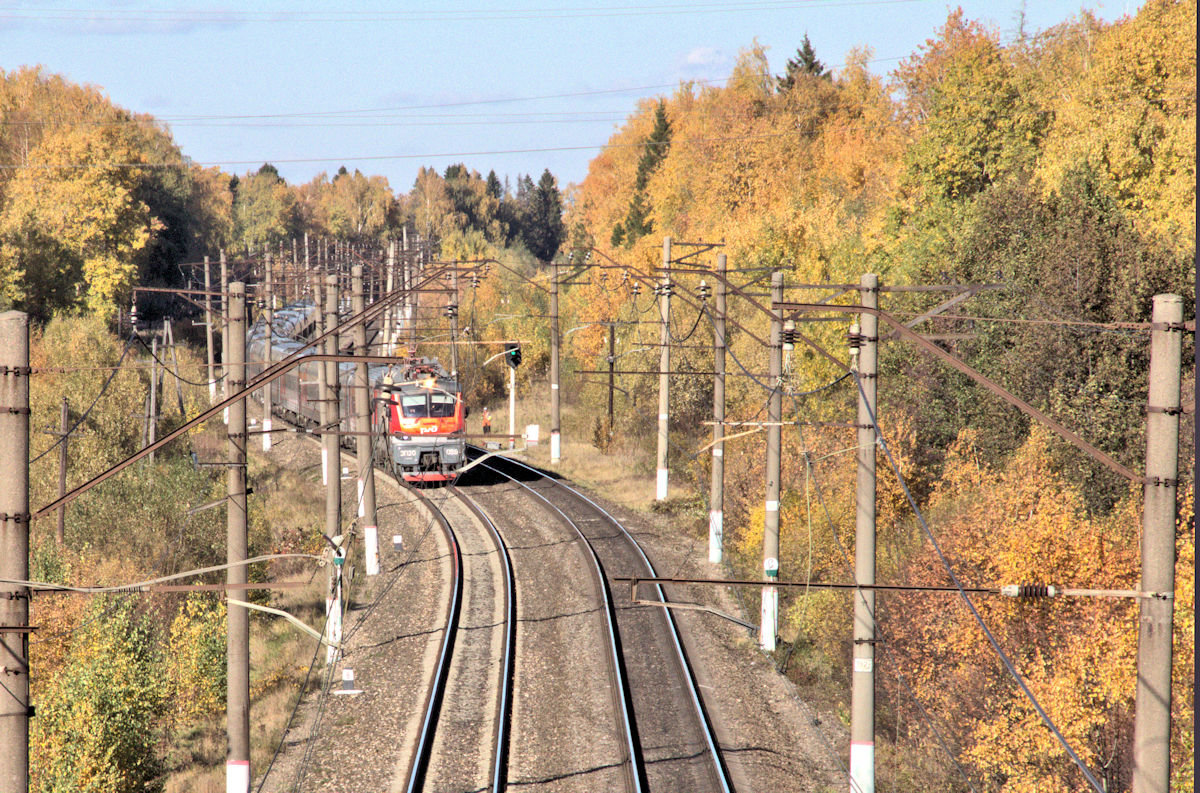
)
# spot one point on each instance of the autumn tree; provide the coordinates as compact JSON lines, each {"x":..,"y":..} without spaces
{"x":94,"y":731}
{"x":264,"y":208}
{"x":210,"y":206}
{"x":72,"y":222}
{"x":359,"y":208}
{"x":1022,"y":522}
{"x":1130,"y":116}
{"x":428,"y":203}
{"x":972,"y":124}
{"x":196,"y":658}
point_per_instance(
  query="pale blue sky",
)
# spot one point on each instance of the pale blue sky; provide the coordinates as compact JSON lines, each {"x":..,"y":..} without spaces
{"x":388,"y":87}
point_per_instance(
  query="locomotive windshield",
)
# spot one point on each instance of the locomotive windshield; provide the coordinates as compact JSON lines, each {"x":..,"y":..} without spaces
{"x":441,"y":405}
{"x":413,"y":406}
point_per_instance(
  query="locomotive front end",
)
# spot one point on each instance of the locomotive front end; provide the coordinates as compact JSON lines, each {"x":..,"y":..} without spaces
{"x":424,"y":420}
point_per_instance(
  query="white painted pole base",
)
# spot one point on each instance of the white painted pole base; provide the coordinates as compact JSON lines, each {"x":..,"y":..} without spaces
{"x":267,"y":433}
{"x":716,"y":535}
{"x":770,"y":618}
{"x":333,"y":608}
{"x":555,"y":447}
{"x":371,"y":549}
{"x":661,"y":491}
{"x":862,"y":767}
{"x":237,"y":776}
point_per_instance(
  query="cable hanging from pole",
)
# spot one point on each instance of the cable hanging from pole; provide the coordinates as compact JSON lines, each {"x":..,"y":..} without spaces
{"x":103,"y":388}
{"x":1009,"y":666}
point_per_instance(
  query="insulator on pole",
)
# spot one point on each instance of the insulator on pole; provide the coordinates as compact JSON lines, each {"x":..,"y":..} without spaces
{"x":1030,"y":590}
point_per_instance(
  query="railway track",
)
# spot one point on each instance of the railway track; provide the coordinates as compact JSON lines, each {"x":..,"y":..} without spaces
{"x":668,"y":741}
{"x":577,"y":689}
{"x":464,"y":746}
{"x":464,"y":737}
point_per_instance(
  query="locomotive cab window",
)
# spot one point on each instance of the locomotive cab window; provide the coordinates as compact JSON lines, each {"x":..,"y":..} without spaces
{"x":441,"y":405}
{"x":414,"y":406}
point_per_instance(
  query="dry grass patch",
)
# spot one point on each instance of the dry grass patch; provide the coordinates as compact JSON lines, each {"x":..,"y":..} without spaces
{"x":625,"y":475}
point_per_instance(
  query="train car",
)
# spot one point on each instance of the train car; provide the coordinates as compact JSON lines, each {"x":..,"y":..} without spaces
{"x":420,"y":410}
{"x":416,"y":405}
{"x":294,"y":395}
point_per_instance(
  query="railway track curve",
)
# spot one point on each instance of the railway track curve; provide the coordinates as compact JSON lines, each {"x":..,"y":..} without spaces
{"x":672,"y":745}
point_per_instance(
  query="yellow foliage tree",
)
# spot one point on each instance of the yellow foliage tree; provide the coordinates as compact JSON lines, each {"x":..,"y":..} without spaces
{"x":77,"y":195}
{"x":94,"y":731}
{"x":195,"y":658}
{"x":1024,"y":524}
{"x":1130,"y":114}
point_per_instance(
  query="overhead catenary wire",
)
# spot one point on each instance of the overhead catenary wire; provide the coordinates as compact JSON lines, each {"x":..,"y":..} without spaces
{"x":167,"y":368}
{"x":187,"y":163}
{"x":143,"y":586}
{"x":154,"y":16}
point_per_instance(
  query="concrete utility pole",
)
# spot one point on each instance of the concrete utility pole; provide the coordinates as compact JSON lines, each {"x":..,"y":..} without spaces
{"x":208,"y":333}
{"x":512,"y":407}
{"x":452,"y":314}
{"x":555,"y":422}
{"x":612,"y":365}
{"x":225,"y":332}
{"x":664,"y":369}
{"x":362,"y":423}
{"x":1152,"y":711}
{"x":60,"y":531}
{"x":716,"y":499}
{"x":14,"y":550}
{"x":410,"y":301}
{"x":237,"y":762}
{"x":152,"y":423}
{"x":330,"y":417}
{"x":389,"y":317}
{"x":862,"y":687}
{"x":268,"y":318}
{"x":169,"y":334}
{"x":769,"y":626}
